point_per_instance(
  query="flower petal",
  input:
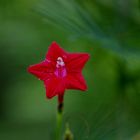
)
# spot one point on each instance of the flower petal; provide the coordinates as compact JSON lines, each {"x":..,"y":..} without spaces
{"x":76,"y":81}
{"x":76,"y":61}
{"x":42,"y":70}
{"x":54,"y":52}
{"x":54,"y":86}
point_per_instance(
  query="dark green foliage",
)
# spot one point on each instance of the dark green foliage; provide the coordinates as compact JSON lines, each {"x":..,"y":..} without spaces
{"x":114,"y":26}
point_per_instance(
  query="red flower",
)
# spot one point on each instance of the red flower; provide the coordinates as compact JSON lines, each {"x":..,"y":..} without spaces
{"x":60,"y":71}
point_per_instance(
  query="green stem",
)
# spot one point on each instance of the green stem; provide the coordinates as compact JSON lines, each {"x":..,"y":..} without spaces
{"x":59,"y":121}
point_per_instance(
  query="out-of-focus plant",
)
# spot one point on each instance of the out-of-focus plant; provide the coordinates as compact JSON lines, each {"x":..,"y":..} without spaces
{"x":115,"y":25}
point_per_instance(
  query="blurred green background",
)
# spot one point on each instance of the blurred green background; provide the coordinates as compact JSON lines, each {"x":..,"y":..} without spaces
{"x":107,"y":29}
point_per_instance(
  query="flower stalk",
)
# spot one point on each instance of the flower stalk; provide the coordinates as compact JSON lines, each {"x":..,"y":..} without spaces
{"x":59,"y":117}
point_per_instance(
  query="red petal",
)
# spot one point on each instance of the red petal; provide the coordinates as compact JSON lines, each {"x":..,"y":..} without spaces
{"x":42,"y":70}
{"x":54,"y":86}
{"x":55,"y":51}
{"x":76,"y":61}
{"x":76,"y":81}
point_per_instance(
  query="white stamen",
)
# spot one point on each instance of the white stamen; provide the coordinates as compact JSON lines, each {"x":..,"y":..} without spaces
{"x":60,"y":62}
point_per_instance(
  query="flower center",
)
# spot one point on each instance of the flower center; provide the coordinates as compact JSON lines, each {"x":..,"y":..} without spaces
{"x":60,"y":70}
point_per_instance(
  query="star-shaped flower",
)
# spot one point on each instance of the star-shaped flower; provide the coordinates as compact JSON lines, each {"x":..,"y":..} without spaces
{"x":60,"y":71}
